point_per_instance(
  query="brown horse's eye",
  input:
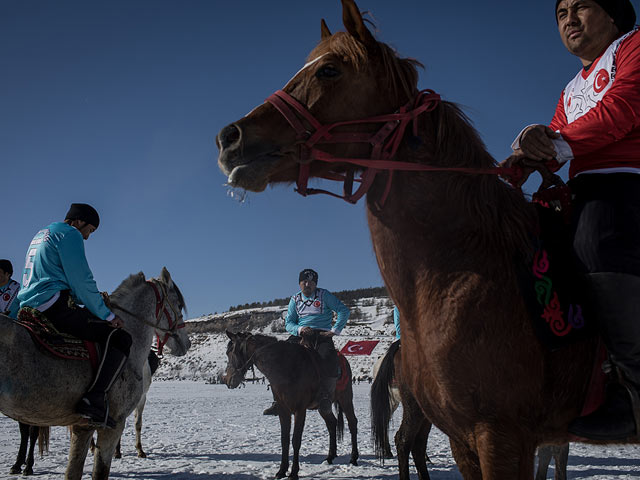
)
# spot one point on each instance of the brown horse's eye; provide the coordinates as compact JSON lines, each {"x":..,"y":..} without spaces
{"x":327,"y":71}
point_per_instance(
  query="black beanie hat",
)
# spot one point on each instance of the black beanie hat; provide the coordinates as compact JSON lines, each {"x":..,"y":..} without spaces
{"x":308,"y":274}
{"x":84,"y":212}
{"x":6,"y":266}
{"x":621,"y":11}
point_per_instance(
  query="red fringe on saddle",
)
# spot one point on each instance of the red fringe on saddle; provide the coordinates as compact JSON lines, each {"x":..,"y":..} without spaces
{"x":62,"y":345}
{"x":344,"y":379}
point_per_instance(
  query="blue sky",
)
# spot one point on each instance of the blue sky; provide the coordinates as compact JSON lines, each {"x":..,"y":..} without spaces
{"x":117,"y":103}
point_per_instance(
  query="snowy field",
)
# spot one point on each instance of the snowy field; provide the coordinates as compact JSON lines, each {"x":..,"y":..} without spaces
{"x":193,"y":431}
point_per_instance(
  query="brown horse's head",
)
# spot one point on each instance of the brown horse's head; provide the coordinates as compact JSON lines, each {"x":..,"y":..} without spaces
{"x":348,"y":76}
{"x":238,"y":360}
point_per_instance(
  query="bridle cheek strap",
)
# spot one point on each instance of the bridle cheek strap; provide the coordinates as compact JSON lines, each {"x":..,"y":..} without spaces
{"x":161,"y":308}
{"x":384,"y":142}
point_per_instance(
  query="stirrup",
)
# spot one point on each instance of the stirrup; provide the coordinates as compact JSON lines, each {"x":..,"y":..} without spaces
{"x":96,"y":417}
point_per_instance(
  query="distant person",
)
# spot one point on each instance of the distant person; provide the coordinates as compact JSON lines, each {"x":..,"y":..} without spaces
{"x":309,"y":319}
{"x":396,"y":321}
{"x":56,"y":271}
{"x":8,"y":290}
{"x":596,"y":129}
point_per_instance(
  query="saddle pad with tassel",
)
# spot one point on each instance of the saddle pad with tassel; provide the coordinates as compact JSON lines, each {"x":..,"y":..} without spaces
{"x":46,"y":336}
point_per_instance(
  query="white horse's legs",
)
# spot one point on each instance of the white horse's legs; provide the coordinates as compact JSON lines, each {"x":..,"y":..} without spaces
{"x":105,"y":448}
{"x":80,"y":439}
{"x":139,"y":410}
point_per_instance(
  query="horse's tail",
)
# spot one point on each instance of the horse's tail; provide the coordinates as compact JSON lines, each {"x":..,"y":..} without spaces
{"x":381,"y":401}
{"x":340,"y":425}
{"x":43,"y":440}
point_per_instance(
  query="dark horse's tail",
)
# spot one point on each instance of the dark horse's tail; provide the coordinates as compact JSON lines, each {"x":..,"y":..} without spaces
{"x":380,"y":401}
{"x":346,"y":372}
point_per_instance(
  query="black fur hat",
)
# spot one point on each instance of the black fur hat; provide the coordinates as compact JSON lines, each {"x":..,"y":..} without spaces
{"x":621,"y":11}
{"x":6,"y":266}
{"x":84,"y":212}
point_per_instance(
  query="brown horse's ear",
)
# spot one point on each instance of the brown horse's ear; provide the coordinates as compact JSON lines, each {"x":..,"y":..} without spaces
{"x":352,"y":19}
{"x":324,"y":30}
{"x":229,"y":334}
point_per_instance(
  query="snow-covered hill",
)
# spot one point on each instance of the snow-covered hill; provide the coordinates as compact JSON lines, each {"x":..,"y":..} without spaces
{"x":371,"y":319}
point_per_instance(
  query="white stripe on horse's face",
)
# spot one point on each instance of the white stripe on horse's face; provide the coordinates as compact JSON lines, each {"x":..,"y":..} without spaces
{"x":305,"y":66}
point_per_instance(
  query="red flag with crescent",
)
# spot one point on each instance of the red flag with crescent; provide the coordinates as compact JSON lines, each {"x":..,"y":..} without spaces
{"x":361,"y":347}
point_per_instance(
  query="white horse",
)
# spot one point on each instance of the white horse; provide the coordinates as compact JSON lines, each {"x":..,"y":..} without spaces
{"x":39,"y":389}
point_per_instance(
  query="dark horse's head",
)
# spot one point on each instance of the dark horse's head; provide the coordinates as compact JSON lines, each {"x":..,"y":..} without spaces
{"x":349,"y":76}
{"x":238,"y":360}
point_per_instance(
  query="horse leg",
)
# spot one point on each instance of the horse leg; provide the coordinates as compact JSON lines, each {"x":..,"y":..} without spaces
{"x":80,"y":440}
{"x":118,"y":453}
{"x":562,"y":458}
{"x":285,"y":431}
{"x":33,"y":438}
{"x":466,"y":459}
{"x":298,"y":427}
{"x":403,"y":444}
{"x":22,"y":450}
{"x":345,"y":399}
{"x":419,"y":450}
{"x":544,"y":459}
{"x":105,"y":448}
{"x":505,"y":457}
{"x":331,"y":422}
{"x":139,"y":410}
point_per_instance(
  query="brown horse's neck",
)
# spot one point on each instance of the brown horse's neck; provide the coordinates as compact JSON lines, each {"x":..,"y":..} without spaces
{"x":440,"y":223}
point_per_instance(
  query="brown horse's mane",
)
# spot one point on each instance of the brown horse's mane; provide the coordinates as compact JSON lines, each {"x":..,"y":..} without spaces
{"x":455,"y":143}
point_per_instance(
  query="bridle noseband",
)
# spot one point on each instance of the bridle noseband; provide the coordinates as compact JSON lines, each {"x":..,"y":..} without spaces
{"x":384,"y":142}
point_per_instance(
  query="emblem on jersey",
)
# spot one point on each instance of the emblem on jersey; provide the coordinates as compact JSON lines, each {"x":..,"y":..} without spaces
{"x":601,"y":81}
{"x":6,"y":297}
{"x":316,"y":303}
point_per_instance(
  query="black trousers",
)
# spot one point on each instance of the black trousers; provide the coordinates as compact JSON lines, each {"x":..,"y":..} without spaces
{"x":81,"y":323}
{"x":606,"y":223}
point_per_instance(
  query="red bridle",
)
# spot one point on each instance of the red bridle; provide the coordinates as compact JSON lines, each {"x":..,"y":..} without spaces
{"x":161,"y":301}
{"x":384,"y":142}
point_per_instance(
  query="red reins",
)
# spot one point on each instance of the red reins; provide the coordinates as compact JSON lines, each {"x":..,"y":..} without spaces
{"x":384,"y":142}
{"x":161,"y":301}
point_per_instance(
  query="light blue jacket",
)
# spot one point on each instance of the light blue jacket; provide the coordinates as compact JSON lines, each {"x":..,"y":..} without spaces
{"x":56,"y":261}
{"x":316,"y":312}
{"x":396,"y":321}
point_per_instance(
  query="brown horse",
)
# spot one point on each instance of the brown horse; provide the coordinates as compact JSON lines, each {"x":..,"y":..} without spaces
{"x":411,"y":437}
{"x":449,"y":239}
{"x":291,"y":371}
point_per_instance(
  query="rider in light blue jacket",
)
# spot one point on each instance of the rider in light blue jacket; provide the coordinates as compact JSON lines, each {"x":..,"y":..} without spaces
{"x":55,"y":269}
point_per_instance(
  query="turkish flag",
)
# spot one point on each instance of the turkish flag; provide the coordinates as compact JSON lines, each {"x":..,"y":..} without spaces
{"x":362,"y":347}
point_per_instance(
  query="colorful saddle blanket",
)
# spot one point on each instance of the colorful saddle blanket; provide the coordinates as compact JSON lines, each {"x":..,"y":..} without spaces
{"x":47,"y":337}
{"x":554,"y":291}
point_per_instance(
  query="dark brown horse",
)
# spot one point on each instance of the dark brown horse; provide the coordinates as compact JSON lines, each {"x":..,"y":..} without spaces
{"x":292,"y":372}
{"x":449,"y":242}
{"x":411,"y":437}
{"x":29,"y":435}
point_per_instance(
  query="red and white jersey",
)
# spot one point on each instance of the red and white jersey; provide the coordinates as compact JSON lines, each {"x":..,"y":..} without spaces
{"x":598,"y":114}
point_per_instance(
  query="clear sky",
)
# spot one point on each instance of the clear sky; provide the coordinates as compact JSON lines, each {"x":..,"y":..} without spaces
{"x":117,"y":103}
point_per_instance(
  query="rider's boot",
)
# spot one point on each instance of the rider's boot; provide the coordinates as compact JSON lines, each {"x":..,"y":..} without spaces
{"x":617,"y":298}
{"x":272,"y":410}
{"x":326,"y":392}
{"x":94,"y":405}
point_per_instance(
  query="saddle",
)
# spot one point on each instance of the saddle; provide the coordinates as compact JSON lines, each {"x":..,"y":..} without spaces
{"x":54,"y":342}
{"x":310,"y":343}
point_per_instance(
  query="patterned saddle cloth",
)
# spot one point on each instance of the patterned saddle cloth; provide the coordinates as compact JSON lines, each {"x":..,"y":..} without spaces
{"x":48,"y":338}
{"x":554,"y":291}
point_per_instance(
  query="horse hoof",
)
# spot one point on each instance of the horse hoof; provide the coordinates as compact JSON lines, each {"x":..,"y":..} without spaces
{"x":142,"y":455}
{"x":329,"y":460}
{"x":27,"y":472}
{"x":15,"y":470}
{"x":117,"y":455}
{"x":281,"y":474}
{"x":354,"y":462}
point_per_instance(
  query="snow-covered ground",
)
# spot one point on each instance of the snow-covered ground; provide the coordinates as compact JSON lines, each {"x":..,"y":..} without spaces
{"x":194,"y":430}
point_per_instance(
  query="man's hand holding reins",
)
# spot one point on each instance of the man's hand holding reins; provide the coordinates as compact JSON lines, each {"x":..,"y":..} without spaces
{"x":117,"y":322}
{"x":536,"y":144}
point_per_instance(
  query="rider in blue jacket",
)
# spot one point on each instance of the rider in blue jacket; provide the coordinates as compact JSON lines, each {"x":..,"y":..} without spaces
{"x":310,"y":321}
{"x":55,"y":272}
{"x":8,"y":290}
